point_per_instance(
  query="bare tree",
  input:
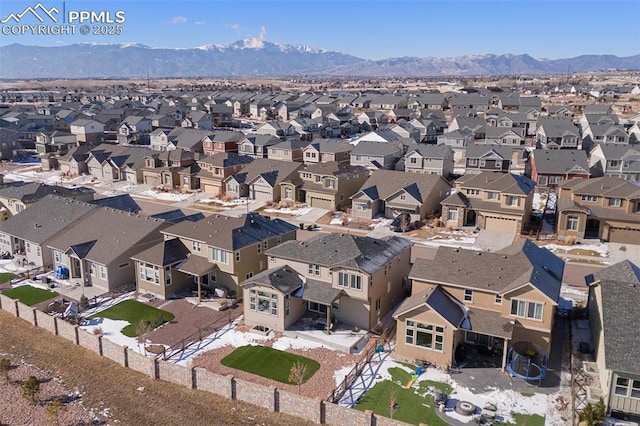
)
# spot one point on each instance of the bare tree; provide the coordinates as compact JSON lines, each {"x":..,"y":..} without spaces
{"x":142,"y":329}
{"x":393,"y":405}
{"x":298,"y":373}
{"x":405,"y":222}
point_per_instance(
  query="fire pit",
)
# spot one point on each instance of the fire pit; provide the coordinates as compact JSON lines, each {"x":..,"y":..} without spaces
{"x":465,"y":408}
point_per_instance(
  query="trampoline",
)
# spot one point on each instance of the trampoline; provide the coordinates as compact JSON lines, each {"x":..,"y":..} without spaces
{"x":527,"y":361}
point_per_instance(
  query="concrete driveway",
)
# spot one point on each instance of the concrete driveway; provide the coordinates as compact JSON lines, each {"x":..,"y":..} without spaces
{"x":493,"y":241}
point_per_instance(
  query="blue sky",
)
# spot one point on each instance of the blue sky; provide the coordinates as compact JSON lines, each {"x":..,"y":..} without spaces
{"x":370,"y":29}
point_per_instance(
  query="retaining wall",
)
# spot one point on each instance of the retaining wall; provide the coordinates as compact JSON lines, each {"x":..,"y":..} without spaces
{"x":26,"y":312}
{"x":90,"y":341}
{"x":261,"y":396}
{"x":113,"y":351}
{"x":175,"y":373}
{"x":211,"y":382}
{"x":68,"y":331}
{"x":46,"y":321}
{"x":299,"y":406}
{"x":141,"y":363}
{"x":8,"y":304}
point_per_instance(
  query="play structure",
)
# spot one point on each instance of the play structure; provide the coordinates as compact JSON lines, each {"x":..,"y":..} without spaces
{"x":415,"y":376}
{"x":527,"y":361}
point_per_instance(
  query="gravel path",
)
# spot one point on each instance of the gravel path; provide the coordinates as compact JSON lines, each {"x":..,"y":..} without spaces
{"x":319,"y":386}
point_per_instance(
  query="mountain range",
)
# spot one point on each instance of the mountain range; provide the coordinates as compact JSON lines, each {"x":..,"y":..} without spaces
{"x":256,"y":57}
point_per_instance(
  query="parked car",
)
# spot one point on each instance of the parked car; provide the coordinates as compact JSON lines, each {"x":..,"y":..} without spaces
{"x":403,"y":223}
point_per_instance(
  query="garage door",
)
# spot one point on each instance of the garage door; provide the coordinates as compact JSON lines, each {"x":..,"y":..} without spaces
{"x":624,"y":235}
{"x":211,"y":189}
{"x":501,"y":224}
{"x":321,"y":203}
{"x":262,"y":195}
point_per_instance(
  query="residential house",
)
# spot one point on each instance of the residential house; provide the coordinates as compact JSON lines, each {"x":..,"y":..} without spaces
{"x":74,"y":162}
{"x":257,"y":146}
{"x":280,"y":129}
{"x":98,"y":248}
{"x":606,"y":208}
{"x":353,"y":280}
{"x":134,"y":129}
{"x":260,"y":180}
{"x":56,"y":141}
{"x":616,"y":161}
{"x":556,"y":133}
{"x":326,"y":150}
{"x":490,"y":200}
{"x":614,"y":297}
{"x":216,"y":252}
{"x":476,"y":124}
{"x":474,"y":101}
{"x":466,"y":299}
{"x":376,"y":155}
{"x":29,"y":232}
{"x":18,"y":197}
{"x":112,"y":163}
{"x":483,"y":158}
{"x":559,"y":111}
{"x":214,"y":169}
{"x":325,"y":185}
{"x":288,"y":150}
{"x":162,"y":169}
{"x":430,"y":159}
{"x":457,"y":139}
{"x":503,"y":136}
{"x":87,"y":131}
{"x":197,"y":120}
{"x":548,"y":167}
{"x":392,"y":192}
{"x":223,"y":141}
{"x":9,"y":143}
{"x":608,"y":134}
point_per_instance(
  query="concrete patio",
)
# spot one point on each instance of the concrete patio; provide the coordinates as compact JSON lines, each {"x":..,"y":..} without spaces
{"x":342,"y":337}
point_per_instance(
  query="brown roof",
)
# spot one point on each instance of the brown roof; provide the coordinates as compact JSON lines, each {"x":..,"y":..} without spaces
{"x":489,"y":322}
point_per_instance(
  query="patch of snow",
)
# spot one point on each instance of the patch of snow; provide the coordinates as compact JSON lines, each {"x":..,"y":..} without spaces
{"x":167,"y":196}
{"x":285,"y":343}
{"x":232,"y":203}
{"x":602,"y":249}
{"x":112,"y":330}
{"x":294,"y":212}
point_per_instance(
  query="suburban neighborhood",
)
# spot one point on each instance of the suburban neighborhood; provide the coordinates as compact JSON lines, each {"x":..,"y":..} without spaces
{"x":470,"y":250}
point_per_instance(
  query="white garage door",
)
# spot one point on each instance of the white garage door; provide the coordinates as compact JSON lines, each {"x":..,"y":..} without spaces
{"x":262,"y":195}
{"x":501,"y":224}
{"x":211,"y":189}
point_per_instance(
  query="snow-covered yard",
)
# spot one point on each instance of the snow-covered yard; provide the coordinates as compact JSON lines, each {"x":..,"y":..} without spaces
{"x":165,"y":196}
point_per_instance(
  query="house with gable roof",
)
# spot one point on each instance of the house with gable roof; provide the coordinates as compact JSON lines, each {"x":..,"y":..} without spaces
{"x":325,"y":150}
{"x":257,"y":146}
{"x":354,"y":280}
{"x":483,"y":158}
{"x":556,"y":133}
{"x":391,"y":193}
{"x":490,"y":200}
{"x":214,"y":252}
{"x":212,"y":170}
{"x":621,"y":161}
{"x":481,"y":300}
{"x":260,"y":180}
{"x":430,"y":159}
{"x":606,"y":208}
{"x":614,"y":297}
{"x":549,"y":167}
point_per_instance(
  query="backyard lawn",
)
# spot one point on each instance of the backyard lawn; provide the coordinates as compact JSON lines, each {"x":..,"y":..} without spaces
{"x":6,"y":276}
{"x":30,"y":295}
{"x":135,"y":312}
{"x":268,"y":362}
{"x":412,"y":407}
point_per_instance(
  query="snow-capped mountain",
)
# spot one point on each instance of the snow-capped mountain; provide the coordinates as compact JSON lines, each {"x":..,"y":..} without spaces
{"x":254,"y":56}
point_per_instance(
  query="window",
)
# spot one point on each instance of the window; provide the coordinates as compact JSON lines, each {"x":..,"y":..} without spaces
{"x":358,"y":157}
{"x":279,"y":239}
{"x":622,"y":386}
{"x":615,"y":202}
{"x":306,"y":175}
{"x":413,"y":160}
{"x":287,"y":304}
{"x":590,"y":198}
{"x":103,"y":273}
{"x":498,"y":300}
{"x":197,"y":246}
{"x":91,"y":269}
{"x":318,"y":178}
{"x":272,"y":259}
{"x":513,"y":201}
{"x":483,"y":163}
{"x":424,"y":335}
{"x":498,"y":164}
{"x":554,"y":180}
{"x":124,"y":265}
{"x":314,"y":269}
{"x":572,"y":223}
{"x":452,"y":214}
{"x":28,"y":247}
{"x":38,"y":251}
{"x":614,"y":163}
{"x":473,"y":192}
{"x":493,"y":195}
{"x":259,"y":248}
{"x":248,"y":275}
{"x":472,"y":161}
{"x":378,"y":304}
{"x":524,"y":309}
{"x":237,"y":256}
{"x":56,"y":256}
{"x":330,"y":183}
{"x":403,"y":197}
{"x":316,"y":307}
{"x":350,"y":281}
{"x":263,"y":302}
{"x":468,"y":296}
{"x":288,"y":193}
{"x":361,"y":207}
{"x":220,"y":255}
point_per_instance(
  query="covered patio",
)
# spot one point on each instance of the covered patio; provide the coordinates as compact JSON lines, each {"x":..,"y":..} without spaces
{"x":203,"y":273}
{"x":486,"y":340}
{"x":320,"y":299}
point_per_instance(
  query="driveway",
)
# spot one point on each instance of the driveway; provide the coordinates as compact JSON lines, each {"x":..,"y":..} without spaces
{"x":493,"y":241}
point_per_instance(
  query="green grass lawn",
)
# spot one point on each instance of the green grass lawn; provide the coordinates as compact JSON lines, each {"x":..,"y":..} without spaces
{"x":524,"y":420}
{"x":30,"y":295}
{"x":268,"y":362}
{"x":6,"y":277}
{"x":135,"y":312}
{"x":413,"y":407}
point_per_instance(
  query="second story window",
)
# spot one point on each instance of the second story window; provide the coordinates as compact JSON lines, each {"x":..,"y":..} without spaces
{"x":197,"y":246}
{"x":513,"y":201}
{"x":314,"y":269}
{"x":493,"y":196}
{"x":468,"y":296}
{"x":330,"y":183}
{"x":221,"y":256}
{"x":590,"y":198}
{"x":473,"y":192}
{"x":318,"y":178}
{"x":525,"y":309}
{"x":615,"y":202}
{"x":498,"y":300}
{"x":350,"y":281}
